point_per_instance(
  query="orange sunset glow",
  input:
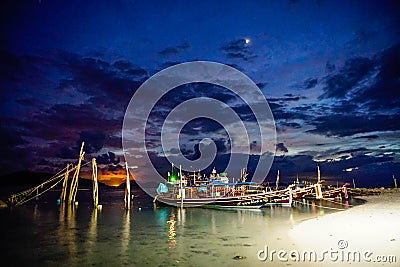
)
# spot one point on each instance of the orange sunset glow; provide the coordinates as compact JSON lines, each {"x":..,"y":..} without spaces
{"x":110,"y":178}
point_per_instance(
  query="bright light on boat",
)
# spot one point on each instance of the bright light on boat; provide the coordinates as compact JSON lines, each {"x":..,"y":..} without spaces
{"x":247,"y":40}
{"x":173,"y":178}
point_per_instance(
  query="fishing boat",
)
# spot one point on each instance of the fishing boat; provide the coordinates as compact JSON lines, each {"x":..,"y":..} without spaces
{"x":217,"y":191}
{"x":294,"y":191}
{"x":332,"y":193}
{"x":328,"y":192}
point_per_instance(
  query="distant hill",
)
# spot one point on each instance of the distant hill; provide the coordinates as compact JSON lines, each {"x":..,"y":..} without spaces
{"x":28,"y":178}
{"x":123,"y":185}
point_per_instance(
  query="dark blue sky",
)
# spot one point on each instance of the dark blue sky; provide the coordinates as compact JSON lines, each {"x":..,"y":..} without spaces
{"x":329,"y":69}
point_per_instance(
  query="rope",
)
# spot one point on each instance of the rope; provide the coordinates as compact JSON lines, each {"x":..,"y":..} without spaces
{"x":25,"y":194}
{"x":29,"y":199}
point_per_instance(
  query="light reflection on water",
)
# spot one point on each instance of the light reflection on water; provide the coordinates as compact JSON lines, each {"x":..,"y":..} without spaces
{"x":67,"y":235}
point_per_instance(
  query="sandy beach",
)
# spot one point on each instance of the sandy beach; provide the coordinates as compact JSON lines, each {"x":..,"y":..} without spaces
{"x":370,"y":230}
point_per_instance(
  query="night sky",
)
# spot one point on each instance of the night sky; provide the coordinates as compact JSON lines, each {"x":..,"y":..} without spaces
{"x":330,"y":71}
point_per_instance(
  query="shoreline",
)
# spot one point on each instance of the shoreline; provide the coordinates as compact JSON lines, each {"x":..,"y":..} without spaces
{"x":372,"y":226}
{"x":363,"y":191}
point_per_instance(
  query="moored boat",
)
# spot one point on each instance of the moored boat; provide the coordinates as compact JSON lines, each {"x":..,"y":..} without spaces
{"x":216,"y":191}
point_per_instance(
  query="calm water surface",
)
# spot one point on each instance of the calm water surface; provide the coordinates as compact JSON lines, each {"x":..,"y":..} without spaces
{"x":46,"y":234}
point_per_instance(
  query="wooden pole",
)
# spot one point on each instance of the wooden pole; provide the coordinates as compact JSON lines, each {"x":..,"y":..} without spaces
{"x":127,"y":198}
{"x":95,"y":184}
{"x":75,"y":178}
{"x":290,"y":196}
{"x":81,"y":154}
{"x":64,"y":186}
{"x":354,"y":184}
{"x":319,"y":175}
{"x":395,"y":182}
{"x":277,"y":181}
{"x":181,"y":186}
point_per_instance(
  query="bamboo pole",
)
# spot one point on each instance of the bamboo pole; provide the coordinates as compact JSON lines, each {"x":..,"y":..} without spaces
{"x":277,"y":181}
{"x":127,"y":198}
{"x":181,"y":186}
{"x":95,"y":184}
{"x":64,"y":186}
{"x":75,"y":178}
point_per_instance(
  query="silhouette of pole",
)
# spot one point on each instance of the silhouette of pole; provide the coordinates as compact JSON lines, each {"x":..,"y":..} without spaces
{"x":127,"y":198}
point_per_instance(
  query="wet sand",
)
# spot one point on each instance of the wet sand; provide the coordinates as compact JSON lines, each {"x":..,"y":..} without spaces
{"x":371,"y":227}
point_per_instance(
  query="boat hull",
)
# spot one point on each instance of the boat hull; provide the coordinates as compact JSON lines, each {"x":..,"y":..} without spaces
{"x":244,"y":201}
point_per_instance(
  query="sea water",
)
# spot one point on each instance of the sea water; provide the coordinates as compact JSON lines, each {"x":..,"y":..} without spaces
{"x":43,"y":233}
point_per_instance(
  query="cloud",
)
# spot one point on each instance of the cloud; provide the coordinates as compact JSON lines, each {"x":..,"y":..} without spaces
{"x":223,"y":146}
{"x":107,"y":84}
{"x":280,"y":147}
{"x":362,"y":36}
{"x":373,"y":82}
{"x":168,"y":63}
{"x":255,"y":147}
{"x":368,"y":137}
{"x":67,"y":122}
{"x":351,"y":151}
{"x":94,"y":140}
{"x":85,"y":88}
{"x":348,"y":124}
{"x":286,"y":99}
{"x":282,"y":112}
{"x":261,"y":85}
{"x":189,"y":91}
{"x":171,"y":51}
{"x":330,"y":67}
{"x":351,"y":75}
{"x":130,"y":69}
{"x":384,"y":93}
{"x":201,"y":125}
{"x":362,"y":97}
{"x":370,"y":169}
{"x":13,"y":154}
{"x":107,"y":158}
{"x":235,"y":46}
{"x":293,"y":125}
{"x":310,"y":83}
{"x":238,"y":49}
{"x":68,"y":152}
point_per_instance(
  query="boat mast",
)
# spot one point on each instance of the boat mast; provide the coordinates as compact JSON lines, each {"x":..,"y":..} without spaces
{"x":319,"y":175}
{"x":277,"y":181}
{"x":181,"y":185}
{"x":243,"y":175}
